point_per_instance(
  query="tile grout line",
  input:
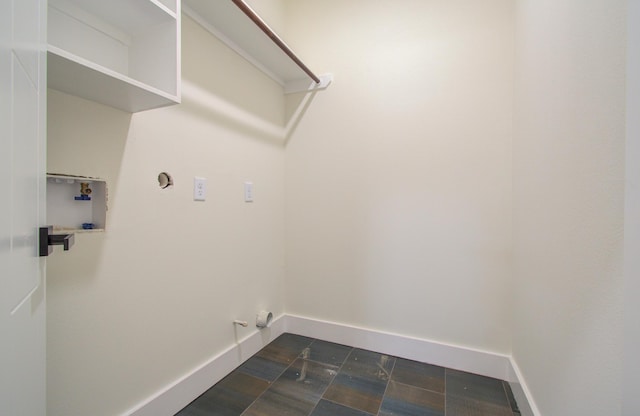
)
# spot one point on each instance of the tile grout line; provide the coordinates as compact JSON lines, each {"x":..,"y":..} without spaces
{"x":478,"y":400}
{"x":333,"y":379}
{"x":353,"y":349}
{"x":274,"y":380}
{"x":386,"y":387}
{"x":326,"y":359}
{"x":445,"y":391}
{"x":349,"y":407}
{"x":417,"y":387}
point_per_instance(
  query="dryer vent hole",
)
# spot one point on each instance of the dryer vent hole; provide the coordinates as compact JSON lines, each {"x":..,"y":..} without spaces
{"x":165,"y":180}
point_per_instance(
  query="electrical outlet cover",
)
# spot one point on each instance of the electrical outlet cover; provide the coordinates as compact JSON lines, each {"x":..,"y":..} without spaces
{"x":199,"y":189}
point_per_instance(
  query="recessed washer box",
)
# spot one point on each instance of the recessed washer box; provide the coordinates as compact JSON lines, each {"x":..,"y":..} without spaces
{"x":76,"y":203}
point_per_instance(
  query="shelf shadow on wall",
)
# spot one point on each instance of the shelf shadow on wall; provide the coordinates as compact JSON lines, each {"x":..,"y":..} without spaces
{"x":209,"y":106}
{"x":296,"y":106}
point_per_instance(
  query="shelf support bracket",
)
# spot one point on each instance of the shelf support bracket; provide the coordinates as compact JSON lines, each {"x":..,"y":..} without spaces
{"x":303,"y":85}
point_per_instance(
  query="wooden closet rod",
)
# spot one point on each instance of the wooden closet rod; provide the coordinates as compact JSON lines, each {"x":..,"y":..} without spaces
{"x":275,"y":38}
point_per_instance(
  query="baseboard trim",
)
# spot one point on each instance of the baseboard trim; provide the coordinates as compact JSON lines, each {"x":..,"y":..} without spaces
{"x":445,"y":355}
{"x":522,"y":394}
{"x":176,"y":396}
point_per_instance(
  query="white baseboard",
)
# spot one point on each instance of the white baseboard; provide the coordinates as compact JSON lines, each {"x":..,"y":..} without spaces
{"x":180,"y":393}
{"x":183,"y":391}
{"x":445,"y":355}
{"x":522,"y":394}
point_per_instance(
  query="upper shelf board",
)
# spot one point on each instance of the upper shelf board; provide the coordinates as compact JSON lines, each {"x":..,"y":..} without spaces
{"x":74,"y":75}
{"x":229,"y":24}
{"x":128,"y":16}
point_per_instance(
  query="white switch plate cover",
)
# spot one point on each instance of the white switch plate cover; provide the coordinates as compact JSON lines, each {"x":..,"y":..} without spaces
{"x":199,"y":189}
{"x":248,"y":192}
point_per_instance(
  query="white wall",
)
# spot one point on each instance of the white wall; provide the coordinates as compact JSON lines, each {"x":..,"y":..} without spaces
{"x":409,"y":206}
{"x":568,"y":203}
{"x":398,"y":185}
{"x":271,"y":12}
{"x":631,"y":368}
{"x":135,"y":308}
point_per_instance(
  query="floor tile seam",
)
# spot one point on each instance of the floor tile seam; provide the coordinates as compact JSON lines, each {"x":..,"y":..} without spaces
{"x":419,"y":388}
{"x":476,"y":401}
{"x":255,"y":400}
{"x":288,"y":364}
{"x":322,"y":364}
{"x":463,"y":396}
{"x":468,"y":373}
{"x":386,"y":388}
{"x":341,"y":366}
{"x":367,"y":378}
{"x":285,"y":348}
{"x":446,"y":395}
{"x":337,"y":367}
{"x":271,"y":383}
{"x":364,"y":366}
{"x":344,"y":362}
{"x":350,"y":407}
{"x":444,"y":381}
{"x":491,"y":402}
{"x":331,"y":382}
{"x":329,"y":342}
{"x":256,"y":376}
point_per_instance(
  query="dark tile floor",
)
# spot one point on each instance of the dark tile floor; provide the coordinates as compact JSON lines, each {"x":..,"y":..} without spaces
{"x":300,"y":376}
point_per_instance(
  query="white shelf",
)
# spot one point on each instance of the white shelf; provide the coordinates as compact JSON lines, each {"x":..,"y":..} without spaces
{"x":122,"y":53}
{"x":228,"y":23}
{"x":129,"y":16}
{"x":77,"y":76}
